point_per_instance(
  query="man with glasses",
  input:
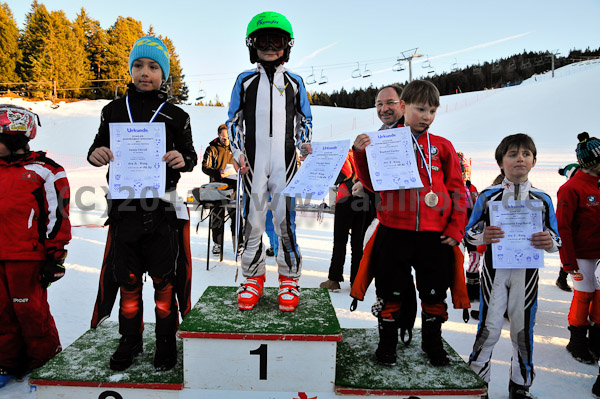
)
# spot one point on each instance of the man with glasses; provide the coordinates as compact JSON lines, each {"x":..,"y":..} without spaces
{"x":387,"y":105}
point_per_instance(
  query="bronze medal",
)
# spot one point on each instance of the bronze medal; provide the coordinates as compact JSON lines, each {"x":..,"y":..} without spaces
{"x":431,"y":199}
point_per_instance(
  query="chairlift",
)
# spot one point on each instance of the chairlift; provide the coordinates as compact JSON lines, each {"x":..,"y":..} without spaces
{"x":512,"y":65}
{"x":526,"y":64}
{"x":323,"y":79}
{"x":310,"y":79}
{"x":201,"y":94}
{"x":496,"y":68}
{"x":356,"y":73}
{"x":398,"y":67}
{"x":538,"y":61}
{"x":455,"y":66}
{"x":367,"y":72}
{"x":477,"y":70}
{"x":426,"y":64}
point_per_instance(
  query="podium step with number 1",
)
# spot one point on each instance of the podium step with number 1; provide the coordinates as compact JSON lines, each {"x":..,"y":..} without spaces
{"x":263,"y":349}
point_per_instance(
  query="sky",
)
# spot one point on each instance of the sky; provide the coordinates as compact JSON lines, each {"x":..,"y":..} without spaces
{"x":335,"y":39}
{"x":474,"y":122}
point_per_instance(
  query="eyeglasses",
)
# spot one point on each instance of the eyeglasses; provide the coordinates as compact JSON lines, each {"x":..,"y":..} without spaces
{"x":264,"y":41}
{"x":388,"y":103}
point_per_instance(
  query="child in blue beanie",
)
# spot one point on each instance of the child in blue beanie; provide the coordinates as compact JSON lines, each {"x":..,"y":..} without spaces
{"x":145,"y":235}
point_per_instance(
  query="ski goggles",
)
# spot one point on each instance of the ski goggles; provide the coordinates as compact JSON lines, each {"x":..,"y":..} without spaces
{"x":266,"y":41}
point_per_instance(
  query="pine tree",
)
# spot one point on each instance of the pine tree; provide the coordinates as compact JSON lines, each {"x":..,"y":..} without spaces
{"x":66,"y":52}
{"x":34,"y":65}
{"x":121,"y":37}
{"x":95,"y":43}
{"x":178,"y":88}
{"x":9,"y":36}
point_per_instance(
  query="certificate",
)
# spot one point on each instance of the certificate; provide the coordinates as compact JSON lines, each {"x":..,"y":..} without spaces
{"x":138,"y":170}
{"x":519,"y":220}
{"x":319,"y":171}
{"x":392,"y":160}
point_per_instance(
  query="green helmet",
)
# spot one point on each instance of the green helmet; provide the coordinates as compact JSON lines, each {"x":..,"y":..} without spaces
{"x":269,"y":19}
{"x":266,"y":22}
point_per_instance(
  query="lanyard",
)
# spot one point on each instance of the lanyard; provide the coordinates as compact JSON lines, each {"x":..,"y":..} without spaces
{"x":428,"y":169}
{"x":153,"y":116}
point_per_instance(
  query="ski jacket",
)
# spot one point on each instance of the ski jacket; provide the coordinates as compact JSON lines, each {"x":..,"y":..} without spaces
{"x":143,"y":105}
{"x":216,"y":157}
{"x":34,"y":207}
{"x":269,"y":111}
{"x":405,"y":208}
{"x":578,"y":213}
{"x":346,"y":178}
{"x":508,"y":190}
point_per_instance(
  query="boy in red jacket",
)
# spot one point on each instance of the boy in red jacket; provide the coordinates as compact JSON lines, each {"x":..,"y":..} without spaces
{"x":418,"y":228}
{"x":578,"y":214}
{"x":34,"y":230}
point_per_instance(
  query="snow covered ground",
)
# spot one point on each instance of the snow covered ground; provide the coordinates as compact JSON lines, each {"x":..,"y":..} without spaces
{"x":552,"y":111}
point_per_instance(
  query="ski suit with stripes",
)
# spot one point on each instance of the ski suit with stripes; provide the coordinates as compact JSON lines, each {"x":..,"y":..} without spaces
{"x":507,"y":290}
{"x":269,"y":119}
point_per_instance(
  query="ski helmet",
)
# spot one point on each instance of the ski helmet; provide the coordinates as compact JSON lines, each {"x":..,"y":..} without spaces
{"x":18,"y":125}
{"x":265,"y":23}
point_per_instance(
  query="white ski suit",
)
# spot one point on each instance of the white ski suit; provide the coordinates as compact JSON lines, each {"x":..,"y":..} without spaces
{"x":269,"y":118}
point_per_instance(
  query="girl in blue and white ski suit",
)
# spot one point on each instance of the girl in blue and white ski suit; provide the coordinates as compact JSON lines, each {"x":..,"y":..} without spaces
{"x":507,"y":290}
{"x":269,"y":118}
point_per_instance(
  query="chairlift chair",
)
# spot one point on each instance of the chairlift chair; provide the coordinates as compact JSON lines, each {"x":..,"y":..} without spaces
{"x":477,"y":70}
{"x":356,"y":73}
{"x":323,"y":79}
{"x":496,"y":68}
{"x":398,"y":67}
{"x":310,"y":79}
{"x":367,"y":72}
{"x":539,"y":61}
{"x":512,"y":65}
{"x":426,"y":64}
{"x":201,"y":95}
{"x":526,"y":64}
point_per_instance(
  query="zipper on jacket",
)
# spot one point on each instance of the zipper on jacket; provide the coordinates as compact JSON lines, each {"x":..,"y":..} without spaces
{"x":271,"y":108}
{"x":418,"y":209}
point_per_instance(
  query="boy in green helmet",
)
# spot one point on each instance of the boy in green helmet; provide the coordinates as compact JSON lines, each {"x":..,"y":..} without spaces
{"x":269,"y":120}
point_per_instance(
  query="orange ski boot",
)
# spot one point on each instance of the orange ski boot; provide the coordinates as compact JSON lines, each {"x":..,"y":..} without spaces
{"x":289,"y":293}
{"x":250,"y":292}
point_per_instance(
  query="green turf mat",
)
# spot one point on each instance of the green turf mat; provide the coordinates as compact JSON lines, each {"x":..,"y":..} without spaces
{"x":356,"y":366}
{"x":86,"y":360}
{"x":217,"y":311}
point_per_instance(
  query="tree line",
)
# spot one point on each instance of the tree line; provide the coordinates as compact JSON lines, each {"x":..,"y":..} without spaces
{"x":52,"y":57}
{"x":501,"y":73}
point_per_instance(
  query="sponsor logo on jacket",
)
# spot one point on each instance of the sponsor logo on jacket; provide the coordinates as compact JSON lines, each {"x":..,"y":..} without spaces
{"x":20,"y":300}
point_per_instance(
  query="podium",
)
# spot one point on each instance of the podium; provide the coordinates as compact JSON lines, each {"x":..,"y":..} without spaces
{"x":262,"y":353}
{"x":263,"y":349}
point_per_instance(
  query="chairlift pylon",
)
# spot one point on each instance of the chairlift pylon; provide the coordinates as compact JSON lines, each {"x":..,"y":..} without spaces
{"x":356,"y":73}
{"x":367,"y":72}
{"x":310,"y":79}
{"x":323,"y":79}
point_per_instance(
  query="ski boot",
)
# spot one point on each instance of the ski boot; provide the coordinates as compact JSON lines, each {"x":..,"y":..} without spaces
{"x":516,"y":391}
{"x":330,"y":285}
{"x":289,"y":294}
{"x":165,"y":356}
{"x":578,"y":345}
{"x":386,"y":353}
{"x":129,"y":347}
{"x":431,"y":340}
{"x":250,"y":292}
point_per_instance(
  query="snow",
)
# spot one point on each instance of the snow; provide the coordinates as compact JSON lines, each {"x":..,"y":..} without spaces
{"x":552,"y":111}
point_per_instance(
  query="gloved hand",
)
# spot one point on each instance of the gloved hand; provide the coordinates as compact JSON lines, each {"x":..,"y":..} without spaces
{"x":53,"y":268}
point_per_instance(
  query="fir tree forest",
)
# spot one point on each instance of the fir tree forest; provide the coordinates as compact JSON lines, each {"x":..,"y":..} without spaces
{"x":54,"y":58}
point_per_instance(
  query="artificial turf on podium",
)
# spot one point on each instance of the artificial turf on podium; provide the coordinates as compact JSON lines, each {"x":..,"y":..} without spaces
{"x":217,"y":312}
{"x":85,"y":363}
{"x":356,"y":367}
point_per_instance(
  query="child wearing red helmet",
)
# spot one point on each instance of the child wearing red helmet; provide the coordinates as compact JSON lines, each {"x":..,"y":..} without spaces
{"x":34,"y":230}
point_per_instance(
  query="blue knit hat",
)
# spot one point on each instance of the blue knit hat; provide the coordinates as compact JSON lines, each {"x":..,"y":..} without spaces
{"x":588,"y":150}
{"x":153,"y":48}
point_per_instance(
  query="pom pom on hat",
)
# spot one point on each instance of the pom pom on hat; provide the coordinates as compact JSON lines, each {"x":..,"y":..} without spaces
{"x":588,"y":150}
{"x":153,"y":48}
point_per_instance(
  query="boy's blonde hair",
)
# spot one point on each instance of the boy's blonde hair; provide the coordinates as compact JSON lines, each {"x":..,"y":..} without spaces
{"x":421,"y":92}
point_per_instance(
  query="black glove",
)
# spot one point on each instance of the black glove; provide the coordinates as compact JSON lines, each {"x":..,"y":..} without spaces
{"x":53,"y":268}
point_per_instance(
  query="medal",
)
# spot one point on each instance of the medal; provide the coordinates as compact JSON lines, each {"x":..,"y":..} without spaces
{"x":431,"y":199}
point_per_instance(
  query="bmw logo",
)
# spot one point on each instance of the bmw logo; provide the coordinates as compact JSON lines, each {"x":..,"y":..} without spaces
{"x":591,"y":198}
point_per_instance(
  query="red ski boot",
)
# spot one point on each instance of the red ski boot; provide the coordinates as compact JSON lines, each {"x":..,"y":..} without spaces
{"x":289,"y":293}
{"x":250,"y":292}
